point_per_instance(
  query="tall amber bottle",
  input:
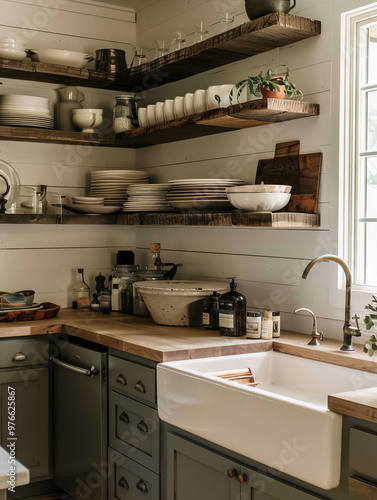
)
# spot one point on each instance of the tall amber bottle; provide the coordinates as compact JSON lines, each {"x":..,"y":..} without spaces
{"x":232,"y":312}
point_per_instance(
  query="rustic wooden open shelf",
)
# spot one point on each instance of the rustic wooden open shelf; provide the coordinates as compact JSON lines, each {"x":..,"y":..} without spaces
{"x":221,"y":219}
{"x":249,"y":114}
{"x":246,"y":40}
{"x":245,"y":115}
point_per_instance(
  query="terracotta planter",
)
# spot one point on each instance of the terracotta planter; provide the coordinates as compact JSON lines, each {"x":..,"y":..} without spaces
{"x":273,"y":93}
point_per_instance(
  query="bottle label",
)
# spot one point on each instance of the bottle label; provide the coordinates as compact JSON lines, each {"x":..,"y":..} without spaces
{"x":226,"y":319}
{"x":206,"y":319}
{"x":253,"y":328}
{"x":265,"y":330}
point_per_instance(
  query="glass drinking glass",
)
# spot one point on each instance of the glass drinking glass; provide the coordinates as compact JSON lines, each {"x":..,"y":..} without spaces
{"x":227,"y":18}
{"x":162,"y":48}
{"x":178,"y":41}
{"x":201,"y":29}
{"x":139,"y":56}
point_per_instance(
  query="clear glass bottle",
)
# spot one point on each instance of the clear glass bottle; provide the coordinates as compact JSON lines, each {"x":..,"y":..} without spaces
{"x":125,"y":113}
{"x":80,"y":293}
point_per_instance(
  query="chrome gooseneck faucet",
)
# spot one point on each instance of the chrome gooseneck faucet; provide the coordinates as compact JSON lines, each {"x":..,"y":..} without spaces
{"x":349,"y":331}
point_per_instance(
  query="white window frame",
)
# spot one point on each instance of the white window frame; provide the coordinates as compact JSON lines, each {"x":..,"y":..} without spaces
{"x":347,"y":14}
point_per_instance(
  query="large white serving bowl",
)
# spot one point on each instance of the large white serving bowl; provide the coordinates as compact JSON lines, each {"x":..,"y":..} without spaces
{"x":59,"y":56}
{"x":260,"y":188}
{"x":175,"y":302}
{"x":10,"y":53}
{"x":258,"y":202}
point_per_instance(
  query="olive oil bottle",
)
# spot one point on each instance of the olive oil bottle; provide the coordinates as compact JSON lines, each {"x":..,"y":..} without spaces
{"x":232,"y":312}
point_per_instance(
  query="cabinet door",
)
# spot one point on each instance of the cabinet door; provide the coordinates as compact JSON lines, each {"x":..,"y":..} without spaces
{"x":196,"y":473}
{"x":257,"y":485}
{"x":31,"y":416}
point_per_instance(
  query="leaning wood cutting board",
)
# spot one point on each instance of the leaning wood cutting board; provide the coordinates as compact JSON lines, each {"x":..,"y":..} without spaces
{"x":302,"y":172}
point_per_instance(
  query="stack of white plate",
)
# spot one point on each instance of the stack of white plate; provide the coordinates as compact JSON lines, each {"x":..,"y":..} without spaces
{"x":25,"y":111}
{"x":113,"y":184}
{"x":12,"y":48}
{"x":200,"y":194}
{"x":147,"y":198}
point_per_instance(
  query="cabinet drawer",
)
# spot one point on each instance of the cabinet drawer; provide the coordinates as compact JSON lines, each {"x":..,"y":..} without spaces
{"x":362,"y":452}
{"x":23,"y":352}
{"x":132,"y":379}
{"x":134,"y":430}
{"x":361,"y":490}
{"x":130,"y":481}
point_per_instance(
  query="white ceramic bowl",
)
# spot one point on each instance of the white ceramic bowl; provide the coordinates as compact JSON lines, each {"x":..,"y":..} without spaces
{"x":142,"y":117}
{"x":200,"y":104}
{"x":87,"y":121}
{"x":259,"y":202}
{"x":168,"y":110}
{"x":151,"y":115}
{"x":13,"y":41}
{"x":178,"y":108}
{"x":188,"y":104}
{"x":15,"y":54}
{"x":159,"y":112}
{"x":222,"y":91}
{"x":260,"y":188}
{"x":177,"y":303}
{"x":88,"y":200}
{"x":58,"y":56}
{"x":85,"y":111}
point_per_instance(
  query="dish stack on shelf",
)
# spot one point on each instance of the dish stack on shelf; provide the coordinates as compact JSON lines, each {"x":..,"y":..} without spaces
{"x":25,"y":111}
{"x":201,"y":194}
{"x":12,"y":48}
{"x":113,"y":184}
{"x":147,"y":198}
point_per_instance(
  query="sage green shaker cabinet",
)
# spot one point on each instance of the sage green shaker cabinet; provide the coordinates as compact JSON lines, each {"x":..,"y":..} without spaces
{"x":196,"y":472}
{"x":24,"y":402}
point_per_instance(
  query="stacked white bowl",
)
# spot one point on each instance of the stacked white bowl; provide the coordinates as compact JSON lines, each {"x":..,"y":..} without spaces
{"x":11,"y":48}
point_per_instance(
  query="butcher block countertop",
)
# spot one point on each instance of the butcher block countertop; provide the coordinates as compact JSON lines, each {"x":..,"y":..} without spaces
{"x":142,"y":337}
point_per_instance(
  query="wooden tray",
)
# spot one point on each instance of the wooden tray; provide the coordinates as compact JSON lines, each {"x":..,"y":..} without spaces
{"x":302,"y":172}
{"x":49,"y":310}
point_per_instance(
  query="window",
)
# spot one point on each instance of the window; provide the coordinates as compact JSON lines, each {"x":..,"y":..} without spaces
{"x":360,"y":145}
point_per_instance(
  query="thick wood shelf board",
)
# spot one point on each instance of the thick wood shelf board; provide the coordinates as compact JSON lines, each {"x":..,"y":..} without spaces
{"x":248,"y":39}
{"x":249,"y":114}
{"x":33,"y":134}
{"x":225,"y":219}
{"x":218,"y":219}
{"x":55,"y":73}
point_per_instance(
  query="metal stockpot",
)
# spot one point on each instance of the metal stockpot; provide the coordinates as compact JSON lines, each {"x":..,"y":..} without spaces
{"x":110,"y":60}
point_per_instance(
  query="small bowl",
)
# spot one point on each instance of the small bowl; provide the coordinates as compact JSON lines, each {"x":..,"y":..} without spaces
{"x":200,"y":104}
{"x":222,"y":91}
{"x":13,"y":300}
{"x":258,"y":202}
{"x":29,"y":296}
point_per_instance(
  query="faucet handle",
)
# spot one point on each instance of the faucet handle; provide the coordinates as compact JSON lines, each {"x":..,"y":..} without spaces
{"x":356,"y":318}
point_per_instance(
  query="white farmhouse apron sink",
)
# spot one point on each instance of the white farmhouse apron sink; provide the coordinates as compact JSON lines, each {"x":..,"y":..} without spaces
{"x":284,"y":422}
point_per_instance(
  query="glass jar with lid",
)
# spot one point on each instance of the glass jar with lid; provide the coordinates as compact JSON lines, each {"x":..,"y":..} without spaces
{"x":125,"y":112}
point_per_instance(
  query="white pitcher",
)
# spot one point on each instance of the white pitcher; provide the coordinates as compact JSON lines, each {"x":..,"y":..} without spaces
{"x":71,"y":97}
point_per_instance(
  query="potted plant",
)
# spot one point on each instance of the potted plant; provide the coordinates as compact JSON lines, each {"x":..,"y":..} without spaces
{"x":265,"y":85}
{"x":371,"y":344}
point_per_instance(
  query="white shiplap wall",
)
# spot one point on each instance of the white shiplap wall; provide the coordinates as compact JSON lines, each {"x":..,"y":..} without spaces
{"x":268,"y":263}
{"x":46,"y":258}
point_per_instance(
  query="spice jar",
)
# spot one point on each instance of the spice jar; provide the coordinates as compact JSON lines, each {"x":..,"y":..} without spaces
{"x":125,"y":113}
{"x":253,"y":324}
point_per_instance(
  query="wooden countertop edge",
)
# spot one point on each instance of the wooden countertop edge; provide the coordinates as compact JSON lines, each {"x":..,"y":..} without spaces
{"x":141,"y":337}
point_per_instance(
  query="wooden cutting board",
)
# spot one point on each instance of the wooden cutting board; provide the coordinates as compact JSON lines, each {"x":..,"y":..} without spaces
{"x":302,"y":172}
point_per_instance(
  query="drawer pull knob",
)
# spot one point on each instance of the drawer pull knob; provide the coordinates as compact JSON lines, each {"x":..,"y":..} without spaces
{"x":123,"y":483}
{"x":242,"y":478}
{"x":142,"y":486}
{"x":139,"y":386}
{"x":232,"y":473}
{"x":19,"y":356}
{"x":121,"y":379}
{"x":124,"y":417}
{"x":142,"y":426}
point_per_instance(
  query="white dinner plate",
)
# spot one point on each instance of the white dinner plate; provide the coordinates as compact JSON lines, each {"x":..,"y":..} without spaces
{"x":93,"y":209}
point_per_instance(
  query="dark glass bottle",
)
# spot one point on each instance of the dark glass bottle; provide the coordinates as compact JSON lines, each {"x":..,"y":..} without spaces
{"x":210,"y":315}
{"x":232,"y":312}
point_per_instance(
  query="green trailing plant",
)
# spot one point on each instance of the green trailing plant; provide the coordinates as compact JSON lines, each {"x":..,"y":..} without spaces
{"x":269,"y":81}
{"x":371,"y":344}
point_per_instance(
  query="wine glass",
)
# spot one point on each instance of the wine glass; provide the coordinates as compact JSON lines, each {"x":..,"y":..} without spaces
{"x":201,"y":29}
{"x":227,"y":17}
{"x":178,"y":41}
{"x":162,"y":47}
